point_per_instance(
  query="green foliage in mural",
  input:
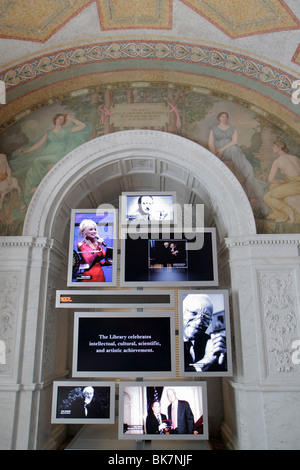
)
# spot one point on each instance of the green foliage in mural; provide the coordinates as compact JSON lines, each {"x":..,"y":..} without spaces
{"x":197,"y":109}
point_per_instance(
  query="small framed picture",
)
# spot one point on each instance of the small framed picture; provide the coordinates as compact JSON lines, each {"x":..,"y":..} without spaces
{"x":86,"y":402}
{"x":148,"y":207}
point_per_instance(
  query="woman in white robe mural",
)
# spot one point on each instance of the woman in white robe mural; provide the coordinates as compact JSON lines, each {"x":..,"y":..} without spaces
{"x":222,"y":142}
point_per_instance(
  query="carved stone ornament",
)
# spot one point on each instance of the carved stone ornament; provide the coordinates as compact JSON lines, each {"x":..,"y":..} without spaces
{"x":8,"y":311}
{"x":280,"y":319}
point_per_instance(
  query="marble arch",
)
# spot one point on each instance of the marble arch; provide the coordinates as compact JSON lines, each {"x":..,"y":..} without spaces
{"x":159,"y":159}
{"x":250,"y":409}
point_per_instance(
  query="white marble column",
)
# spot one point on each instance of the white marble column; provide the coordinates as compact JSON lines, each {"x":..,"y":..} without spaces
{"x":261,"y":400}
{"x":30,"y":334}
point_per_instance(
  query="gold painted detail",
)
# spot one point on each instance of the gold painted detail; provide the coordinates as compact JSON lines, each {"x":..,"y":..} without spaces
{"x":188,"y":54}
{"x":33,"y":20}
{"x":239,"y":18}
{"x":136,"y":14}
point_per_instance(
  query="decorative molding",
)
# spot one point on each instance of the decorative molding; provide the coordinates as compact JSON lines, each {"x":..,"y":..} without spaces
{"x":188,"y":53}
{"x":280,"y":319}
{"x":25,"y":241}
{"x":234,"y":209}
{"x":281,"y":239}
{"x":8,"y":316}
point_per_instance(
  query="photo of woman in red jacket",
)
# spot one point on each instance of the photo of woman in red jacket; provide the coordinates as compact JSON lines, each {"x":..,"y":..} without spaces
{"x":92,"y":251}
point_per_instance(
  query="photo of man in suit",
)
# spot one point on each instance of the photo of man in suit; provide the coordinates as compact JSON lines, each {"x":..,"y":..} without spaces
{"x":180,"y":414}
{"x":156,"y":421}
{"x":204,"y":335}
{"x":89,"y":407}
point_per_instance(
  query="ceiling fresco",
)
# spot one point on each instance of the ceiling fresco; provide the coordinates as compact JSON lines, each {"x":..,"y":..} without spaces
{"x":266,"y":87}
{"x":193,"y":57}
{"x":34,"y":20}
{"x":238,"y":19}
{"x":296,"y":56}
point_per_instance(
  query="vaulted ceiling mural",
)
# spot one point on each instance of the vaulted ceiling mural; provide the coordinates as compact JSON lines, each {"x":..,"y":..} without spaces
{"x":34,"y":20}
{"x":193,"y":58}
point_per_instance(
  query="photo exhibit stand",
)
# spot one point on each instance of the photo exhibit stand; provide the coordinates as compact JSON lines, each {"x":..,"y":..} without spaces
{"x":140,"y":301}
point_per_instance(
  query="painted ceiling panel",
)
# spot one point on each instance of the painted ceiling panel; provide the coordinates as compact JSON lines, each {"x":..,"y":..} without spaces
{"x":296,"y":57}
{"x":136,"y":14}
{"x":238,"y":18}
{"x":33,"y":20}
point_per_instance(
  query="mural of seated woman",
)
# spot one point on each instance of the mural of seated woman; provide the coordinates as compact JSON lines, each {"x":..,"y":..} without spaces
{"x":54,"y":144}
{"x":280,"y":192}
{"x":222,"y":141}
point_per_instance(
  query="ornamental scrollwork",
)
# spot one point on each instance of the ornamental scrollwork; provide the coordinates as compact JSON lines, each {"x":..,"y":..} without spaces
{"x":280,"y":320}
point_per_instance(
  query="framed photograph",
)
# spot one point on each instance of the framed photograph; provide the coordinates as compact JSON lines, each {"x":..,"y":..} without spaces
{"x":114,"y":298}
{"x":204,"y":333}
{"x":163,"y":410}
{"x":148,"y":206}
{"x":93,"y":248}
{"x":169,"y":259}
{"x":86,"y":402}
{"x":119,"y":344}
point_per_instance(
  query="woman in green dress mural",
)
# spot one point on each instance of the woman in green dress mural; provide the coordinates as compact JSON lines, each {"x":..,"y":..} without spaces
{"x":54,"y":145}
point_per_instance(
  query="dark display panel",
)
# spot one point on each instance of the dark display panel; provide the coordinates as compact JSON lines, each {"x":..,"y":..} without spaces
{"x":170,"y":261}
{"x":90,"y":298}
{"x":119,"y":344}
{"x":83,"y":402}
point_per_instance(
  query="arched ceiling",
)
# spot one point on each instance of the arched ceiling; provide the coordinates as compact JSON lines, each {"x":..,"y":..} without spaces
{"x":247,"y":51}
{"x":37,"y":37}
{"x":269,"y":28}
{"x":100,"y":170}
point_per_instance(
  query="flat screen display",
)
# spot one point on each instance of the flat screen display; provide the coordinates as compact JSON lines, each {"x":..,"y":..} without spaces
{"x":162,"y":259}
{"x":118,"y":344}
{"x":114,"y":298}
{"x":163,"y":411}
{"x":93,"y":248}
{"x":204,"y":333}
{"x":148,"y":206}
{"x":75,"y":402}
